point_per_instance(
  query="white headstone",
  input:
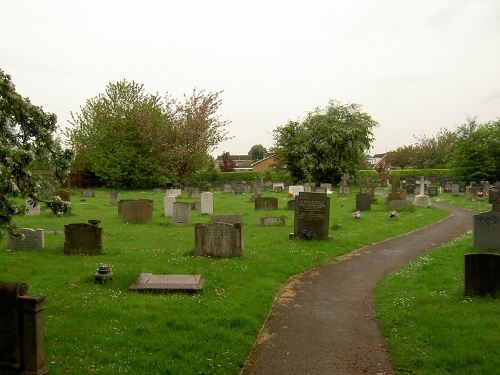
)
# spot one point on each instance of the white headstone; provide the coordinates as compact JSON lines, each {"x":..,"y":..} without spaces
{"x":295,"y":189}
{"x":32,"y":210}
{"x":168,"y":205}
{"x":174,"y":192}
{"x":207,"y":203}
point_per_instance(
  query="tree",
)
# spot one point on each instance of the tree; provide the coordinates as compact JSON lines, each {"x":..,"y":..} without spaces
{"x":129,"y":138}
{"x":26,"y":136}
{"x":328,"y":143}
{"x":227,"y":164}
{"x":477,"y":154}
{"x":257,"y":152}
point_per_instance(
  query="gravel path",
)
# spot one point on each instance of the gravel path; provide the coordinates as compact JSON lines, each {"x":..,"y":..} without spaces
{"x":324,"y":321}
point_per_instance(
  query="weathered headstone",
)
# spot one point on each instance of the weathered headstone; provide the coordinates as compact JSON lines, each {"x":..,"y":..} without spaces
{"x":196,"y":206}
{"x":228,"y":188}
{"x":207,"y":203}
{"x":113,"y":197}
{"x":88,"y":193}
{"x":344,"y":187}
{"x":228,"y":219}
{"x":147,"y":282}
{"x":82,"y":238}
{"x":194,"y":194}
{"x":372,"y":185}
{"x":320,"y":189}
{"x":295,"y":189}
{"x":174,"y":192}
{"x":266,"y":203}
{"x":493,"y":194}
{"x":395,"y":193}
{"x":22,"y":347}
{"x":432,"y":191}
{"x":168,"y":205}
{"x":486,"y":230}
{"x":256,"y":190}
{"x":278,"y":186}
{"x":32,"y":209}
{"x":238,"y":189}
{"x":220,"y":240}
{"x":290,"y":205}
{"x":31,"y":239}
{"x":326,"y":185}
{"x":410,"y":188}
{"x":158,"y":190}
{"x":455,"y":190}
{"x":181,"y":214}
{"x":481,"y":274}
{"x":312,"y":213}
{"x":383,"y":183}
{"x":462,"y":186}
{"x":265,"y":221}
{"x":486,"y":186}
{"x":363,"y":202}
{"x":139,"y":211}
{"x":63,"y":194}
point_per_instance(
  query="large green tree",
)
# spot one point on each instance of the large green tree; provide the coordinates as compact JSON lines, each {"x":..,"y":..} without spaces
{"x":326,"y":144}
{"x":257,"y":152}
{"x":129,"y":138}
{"x":26,"y":136}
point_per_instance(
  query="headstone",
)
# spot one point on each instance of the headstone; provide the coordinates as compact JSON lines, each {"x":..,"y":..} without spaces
{"x":461,"y":186}
{"x":290,"y":205}
{"x":372,"y":185}
{"x":194,"y":194}
{"x":137,"y":211}
{"x":363,"y":202}
{"x":88,"y":193}
{"x":181,"y":214}
{"x":196,"y":206}
{"x":113,"y":197}
{"x":22,"y":347}
{"x":455,"y":190}
{"x":47,"y":191}
{"x":174,"y":192}
{"x":312,"y":213}
{"x":82,"y":238}
{"x":147,"y":282}
{"x":422,"y":200}
{"x":228,"y":219}
{"x":448,"y":186}
{"x":228,"y":188}
{"x":486,"y":186}
{"x":168,"y":205}
{"x":481,"y":274}
{"x":256,"y":190}
{"x":410,"y":188}
{"x":238,"y":189}
{"x":395,"y":194}
{"x":158,"y":190}
{"x":266,"y":203}
{"x":207,"y":203}
{"x":486,"y":230}
{"x":220,"y":240}
{"x":278,"y":186}
{"x":320,"y":189}
{"x":32,"y":209}
{"x":63,"y":194}
{"x":344,"y":188}
{"x":266,"y":221}
{"x":295,"y":189}
{"x":493,"y":194}
{"x":326,"y":185}
{"x":31,"y":239}
{"x":432,"y":191}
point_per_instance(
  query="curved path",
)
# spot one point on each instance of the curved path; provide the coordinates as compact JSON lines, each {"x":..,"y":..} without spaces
{"x":324,"y":322}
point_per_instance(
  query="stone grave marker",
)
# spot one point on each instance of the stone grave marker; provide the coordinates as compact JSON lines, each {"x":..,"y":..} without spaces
{"x":462,"y":185}
{"x":147,"y":282}
{"x":395,"y":193}
{"x":455,"y":190}
{"x":363,"y":201}
{"x":87,"y":193}
{"x":312,"y":213}
{"x":238,"y":189}
{"x":295,"y":189}
{"x":168,"y":205}
{"x":372,"y":185}
{"x":220,"y":240}
{"x":278,"y":186}
{"x":486,"y":186}
{"x":481,"y":274}
{"x":194,"y":194}
{"x":137,"y":211}
{"x":422,"y":200}
{"x":31,"y":239}
{"x":174,"y":192}
{"x":266,"y":203}
{"x":228,"y":219}
{"x":181,"y":214}
{"x":83,"y":238}
{"x":344,"y":188}
{"x":196,"y":206}
{"x":410,"y":188}
{"x":63,"y":194}
{"x":290,"y":205}
{"x":493,"y":194}
{"x":486,"y":228}
{"x":158,"y":190}
{"x":207,"y":203}
{"x":432,"y":191}
{"x":383,"y":183}
{"x":22,"y":347}
{"x":256,"y":190}
{"x":268,"y":221}
{"x":228,"y":188}
{"x":320,"y":189}
{"x":326,"y":185}
{"x":32,"y":209}
{"x":113,"y":197}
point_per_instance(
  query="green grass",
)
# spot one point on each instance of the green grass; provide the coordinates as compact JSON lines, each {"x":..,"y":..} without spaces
{"x":105,"y":329}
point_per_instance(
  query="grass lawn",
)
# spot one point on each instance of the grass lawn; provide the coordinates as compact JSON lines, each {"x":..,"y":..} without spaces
{"x":91,"y":328}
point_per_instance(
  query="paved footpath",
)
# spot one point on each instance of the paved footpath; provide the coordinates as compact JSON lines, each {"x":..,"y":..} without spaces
{"x":324,"y":322}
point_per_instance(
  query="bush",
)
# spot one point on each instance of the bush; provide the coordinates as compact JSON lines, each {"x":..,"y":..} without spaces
{"x":58,"y":206}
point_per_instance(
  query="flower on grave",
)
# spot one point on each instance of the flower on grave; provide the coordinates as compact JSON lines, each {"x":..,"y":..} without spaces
{"x":393,"y":214}
{"x":57,"y":206}
{"x":357,"y":214}
{"x":479,"y":193}
{"x":291,"y":194}
{"x":308,"y":234}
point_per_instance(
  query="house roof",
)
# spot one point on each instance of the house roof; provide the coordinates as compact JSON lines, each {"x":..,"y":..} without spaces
{"x":261,"y":160}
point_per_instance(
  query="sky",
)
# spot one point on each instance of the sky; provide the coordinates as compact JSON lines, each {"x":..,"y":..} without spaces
{"x":414,"y":66}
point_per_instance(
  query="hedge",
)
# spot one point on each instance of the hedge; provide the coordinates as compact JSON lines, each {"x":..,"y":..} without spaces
{"x":422,"y":172}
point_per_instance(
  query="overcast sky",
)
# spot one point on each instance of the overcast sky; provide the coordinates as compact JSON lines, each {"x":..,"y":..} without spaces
{"x":414,"y":66}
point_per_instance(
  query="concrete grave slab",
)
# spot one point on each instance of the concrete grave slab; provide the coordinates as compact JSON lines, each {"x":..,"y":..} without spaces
{"x":147,"y":282}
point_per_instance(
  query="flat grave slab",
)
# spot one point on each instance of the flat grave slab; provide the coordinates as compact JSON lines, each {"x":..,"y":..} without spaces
{"x":147,"y":282}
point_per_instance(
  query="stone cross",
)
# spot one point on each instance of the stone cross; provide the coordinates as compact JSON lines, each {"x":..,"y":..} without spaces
{"x":361,"y":181}
{"x":422,"y":185}
{"x":394,"y":180}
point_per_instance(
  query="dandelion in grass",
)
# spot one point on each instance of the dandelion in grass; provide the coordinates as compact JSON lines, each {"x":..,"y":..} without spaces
{"x":393,"y":214}
{"x":357,"y":214}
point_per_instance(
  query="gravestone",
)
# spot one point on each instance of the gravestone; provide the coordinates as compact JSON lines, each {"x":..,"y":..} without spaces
{"x":486,"y":186}
{"x":168,"y":205}
{"x":228,"y":219}
{"x":486,"y":230}
{"x":158,"y":190}
{"x":238,"y":189}
{"x":256,"y":190}
{"x":410,"y":189}
{"x":181,"y":214}
{"x":228,"y":188}
{"x":175,"y":192}
{"x":422,"y":200}
{"x":372,"y":185}
{"x":31,"y":239}
{"x":32,"y":209}
{"x":266,"y":203}
{"x":447,"y":186}
{"x":481,"y":274}
{"x":326,"y":185}
{"x":207,"y":203}
{"x":63,"y":194}
{"x":22,"y":347}
{"x":194,"y":194}
{"x":312,"y":213}
{"x":266,"y":221}
{"x":363,"y":202}
{"x":493,"y":194}
{"x":290,"y":205}
{"x":320,"y":189}
{"x":87,"y":193}
{"x":432,"y":191}
{"x":295,"y":189}
{"x":82,"y":238}
{"x":196,"y":206}
{"x":462,"y":186}
{"x":278,"y":186}
{"x":395,"y":193}
{"x":220,"y":240}
{"x":138,"y":211}
{"x":113,"y":197}
{"x":47,"y":191}
{"x":455,"y":190}
{"x":344,"y":188}
{"x":147,"y":282}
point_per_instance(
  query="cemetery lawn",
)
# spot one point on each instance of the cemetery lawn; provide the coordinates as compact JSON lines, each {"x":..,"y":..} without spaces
{"x":92,"y":328}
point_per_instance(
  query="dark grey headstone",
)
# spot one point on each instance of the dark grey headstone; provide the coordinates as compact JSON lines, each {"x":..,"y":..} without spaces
{"x":432,"y":191}
{"x":481,"y":274}
{"x":493,"y":194}
{"x":238,"y":189}
{"x":181,"y":214}
{"x":290,"y":205}
{"x":487,"y":230}
{"x":363,"y":202}
{"x":410,"y":188}
{"x":82,"y":238}
{"x":312,"y":213}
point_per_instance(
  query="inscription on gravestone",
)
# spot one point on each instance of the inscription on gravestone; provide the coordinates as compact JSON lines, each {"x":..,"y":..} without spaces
{"x":82,"y":238}
{"x":219,"y":240}
{"x":312,"y":213}
{"x":31,"y":239}
{"x":140,"y":211}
